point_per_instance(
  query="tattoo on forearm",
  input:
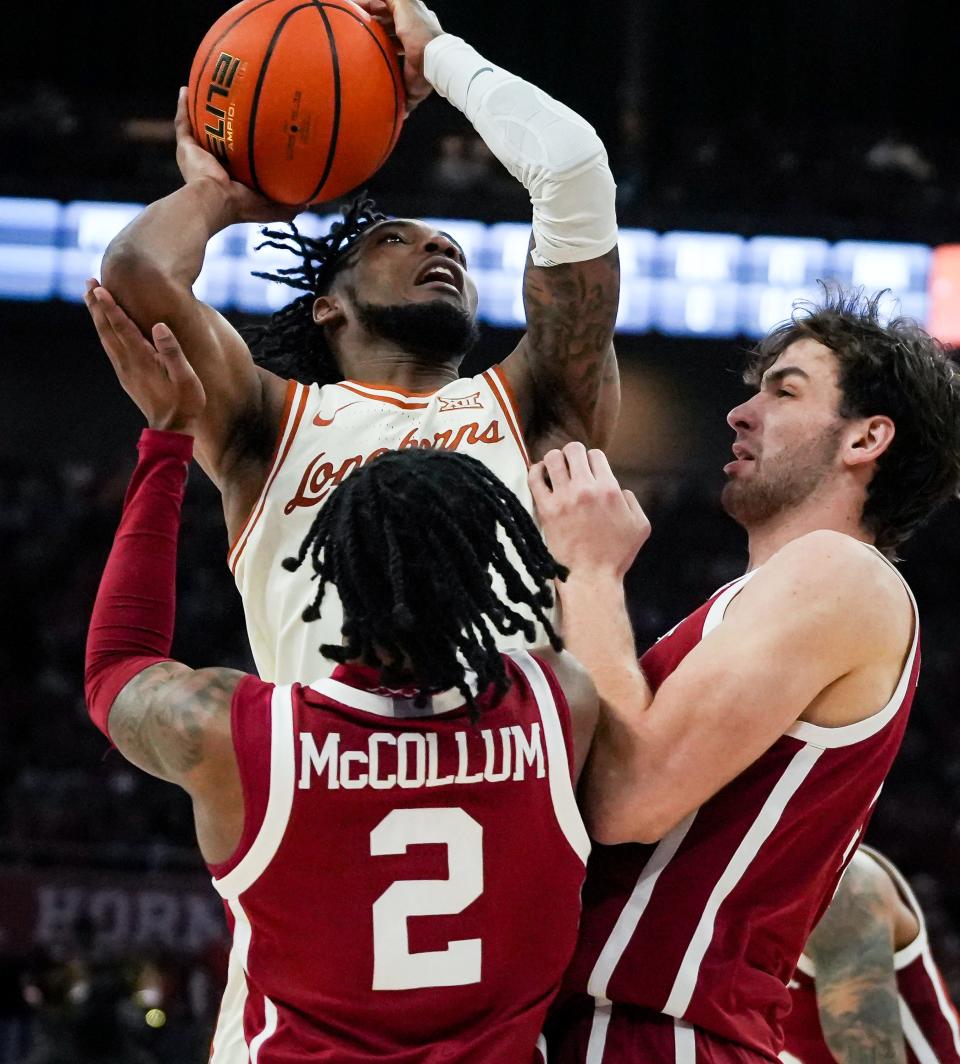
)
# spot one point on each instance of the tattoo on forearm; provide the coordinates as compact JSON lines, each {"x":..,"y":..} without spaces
{"x":571,"y":313}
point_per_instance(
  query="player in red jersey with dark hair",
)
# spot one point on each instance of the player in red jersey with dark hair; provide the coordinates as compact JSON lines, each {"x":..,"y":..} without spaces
{"x":398,"y":846}
{"x":867,"y":986}
{"x":741,"y":761}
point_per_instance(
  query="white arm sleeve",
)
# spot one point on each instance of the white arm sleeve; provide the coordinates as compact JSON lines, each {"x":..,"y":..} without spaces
{"x":552,"y":151}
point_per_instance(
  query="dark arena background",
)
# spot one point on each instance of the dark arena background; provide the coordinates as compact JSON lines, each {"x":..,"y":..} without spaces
{"x":757,"y":148}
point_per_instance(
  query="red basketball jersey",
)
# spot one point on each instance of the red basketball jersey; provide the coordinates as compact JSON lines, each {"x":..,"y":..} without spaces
{"x":706,"y":925}
{"x":929,"y":1020}
{"x":407,"y":888}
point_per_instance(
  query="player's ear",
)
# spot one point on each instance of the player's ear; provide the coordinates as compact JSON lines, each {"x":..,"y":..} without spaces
{"x":328,"y":310}
{"x":872,"y":437}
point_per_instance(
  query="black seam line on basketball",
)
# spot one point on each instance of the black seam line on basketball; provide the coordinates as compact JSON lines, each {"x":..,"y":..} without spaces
{"x":335,"y":124}
{"x":216,"y":44}
{"x":255,"y":102}
{"x":393,"y":80}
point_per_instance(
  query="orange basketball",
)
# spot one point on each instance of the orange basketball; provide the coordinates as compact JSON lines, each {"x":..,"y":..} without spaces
{"x":302,"y":100}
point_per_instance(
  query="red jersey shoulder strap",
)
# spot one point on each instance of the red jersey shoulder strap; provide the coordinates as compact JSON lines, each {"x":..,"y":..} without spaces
{"x":280,"y":792}
{"x":250,"y":731}
{"x":556,"y":732}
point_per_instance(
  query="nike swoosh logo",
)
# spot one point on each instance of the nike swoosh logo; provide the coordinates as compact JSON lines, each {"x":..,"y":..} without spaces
{"x":482,"y":70}
{"x":322,"y":422}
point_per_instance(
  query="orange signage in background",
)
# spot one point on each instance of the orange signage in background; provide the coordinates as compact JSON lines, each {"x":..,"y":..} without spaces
{"x":943,"y":316}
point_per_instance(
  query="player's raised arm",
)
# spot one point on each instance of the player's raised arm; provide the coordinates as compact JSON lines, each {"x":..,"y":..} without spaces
{"x":170,"y":720}
{"x":856,"y":983}
{"x":817,"y":612}
{"x":564,"y":371}
{"x":150,"y":269}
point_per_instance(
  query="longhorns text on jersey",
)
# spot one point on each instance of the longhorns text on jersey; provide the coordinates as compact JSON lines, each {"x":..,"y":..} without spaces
{"x":326,"y":433}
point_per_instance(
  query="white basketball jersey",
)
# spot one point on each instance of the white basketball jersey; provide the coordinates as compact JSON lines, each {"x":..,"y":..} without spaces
{"x":326,"y":433}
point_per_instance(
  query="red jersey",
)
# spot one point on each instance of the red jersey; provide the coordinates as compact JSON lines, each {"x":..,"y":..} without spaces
{"x":927,"y":1015}
{"x":407,"y":887}
{"x":706,"y":925}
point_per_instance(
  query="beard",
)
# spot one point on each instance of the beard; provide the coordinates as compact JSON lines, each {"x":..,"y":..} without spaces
{"x":437,"y":331}
{"x":789,"y":480}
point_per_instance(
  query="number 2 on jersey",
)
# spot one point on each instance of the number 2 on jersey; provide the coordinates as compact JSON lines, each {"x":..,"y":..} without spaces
{"x":394,"y":966}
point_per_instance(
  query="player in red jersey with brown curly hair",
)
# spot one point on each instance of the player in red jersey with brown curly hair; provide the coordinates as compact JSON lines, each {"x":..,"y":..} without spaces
{"x":736,"y":767}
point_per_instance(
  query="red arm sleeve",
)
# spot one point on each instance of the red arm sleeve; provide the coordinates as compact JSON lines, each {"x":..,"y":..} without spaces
{"x":132,"y":623}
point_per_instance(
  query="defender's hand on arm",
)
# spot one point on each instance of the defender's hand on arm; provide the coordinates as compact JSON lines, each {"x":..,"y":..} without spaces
{"x":590,"y":524}
{"x":157,"y":376}
{"x":596,"y":529}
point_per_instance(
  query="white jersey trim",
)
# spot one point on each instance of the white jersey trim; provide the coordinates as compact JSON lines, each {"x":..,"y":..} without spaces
{"x":597,"y":1042}
{"x":849,"y":734}
{"x":298,"y":400}
{"x":946,"y":1007}
{"x":382,"y":392}
{"x":561,"y":779}
{"x":719,"y":606}
{"x":816,"y":734}
{"x":760,"y":830}
{"x":914,"y":949}
{"x":631,"y":914}
{"x":541,"y":1048}
{"x":229,"y":1042}
{"x":496,"y":383}
{"x":384,"y":705}
{"x":684,"y":1042}
{"x":279,"y":803}
{"x":914,"y":1036}
{"x":269,"y":1029}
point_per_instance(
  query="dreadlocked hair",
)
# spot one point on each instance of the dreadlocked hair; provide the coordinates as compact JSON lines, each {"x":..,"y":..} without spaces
{"x":291,"y":344}
{"x":412,"y":542}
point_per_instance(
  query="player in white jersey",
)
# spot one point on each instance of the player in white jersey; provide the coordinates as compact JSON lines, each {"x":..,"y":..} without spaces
{"x":386,"y":313}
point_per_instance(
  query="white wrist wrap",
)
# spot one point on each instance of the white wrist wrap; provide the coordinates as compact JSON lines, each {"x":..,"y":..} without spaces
{"x":552,"y":151}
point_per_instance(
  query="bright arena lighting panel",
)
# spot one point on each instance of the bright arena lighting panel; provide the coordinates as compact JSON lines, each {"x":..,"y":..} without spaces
{"x":86,"y":229}
{"x":785,"y":262}
{"x":29,"y":251}
{"x":678,"y":283}
{"x":875,"y":265}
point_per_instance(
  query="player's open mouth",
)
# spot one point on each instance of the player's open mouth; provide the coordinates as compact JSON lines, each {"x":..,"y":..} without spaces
{"x":741,"y":457}
{"x":441,"y":271}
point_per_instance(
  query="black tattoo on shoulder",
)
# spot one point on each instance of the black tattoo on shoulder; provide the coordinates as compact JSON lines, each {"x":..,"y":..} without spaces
{"x":160,"y":719}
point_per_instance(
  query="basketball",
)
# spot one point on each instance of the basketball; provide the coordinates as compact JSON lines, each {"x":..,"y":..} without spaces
{"x":301,"y":101}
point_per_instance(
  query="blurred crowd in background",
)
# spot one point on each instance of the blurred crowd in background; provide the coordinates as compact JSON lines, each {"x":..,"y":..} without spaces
{"x":745,"y":173}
